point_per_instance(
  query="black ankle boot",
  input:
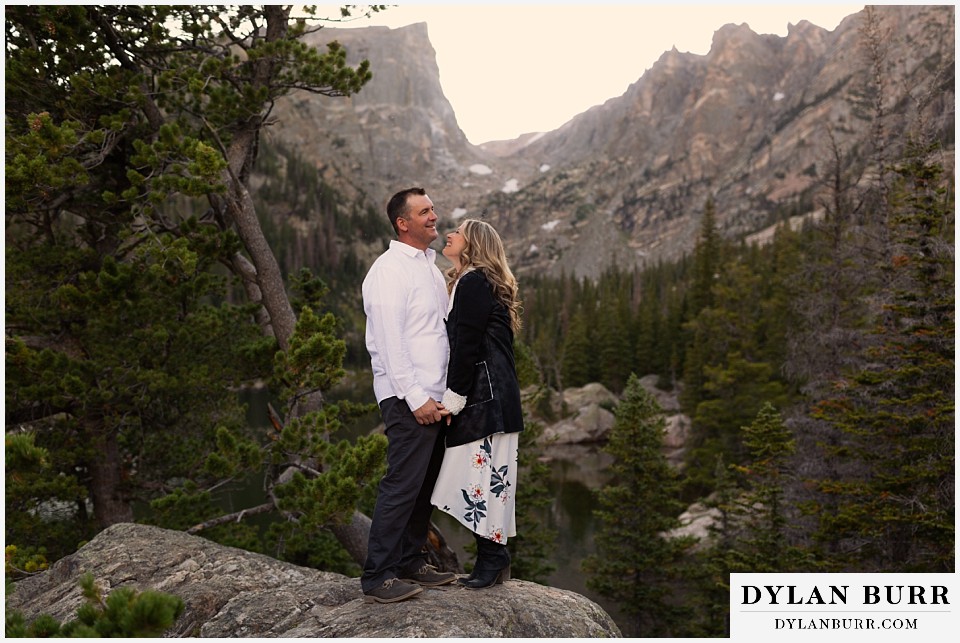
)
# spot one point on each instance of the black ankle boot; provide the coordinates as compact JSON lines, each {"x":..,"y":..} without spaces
{"x":473,"y":574}
{"x":492,"y":567}
{"x":488,"y":578}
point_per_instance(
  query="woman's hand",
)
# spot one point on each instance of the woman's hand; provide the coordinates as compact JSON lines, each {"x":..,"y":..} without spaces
{"x":430,"y":413}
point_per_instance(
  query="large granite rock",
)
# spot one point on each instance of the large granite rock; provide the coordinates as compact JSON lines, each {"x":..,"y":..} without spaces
{"x":589,"y":419}
{"x":231,"y":593}
{"x":678,"y":425}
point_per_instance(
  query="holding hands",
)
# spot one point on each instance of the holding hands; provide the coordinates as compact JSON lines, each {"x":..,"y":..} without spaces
{"x":431,"y":412}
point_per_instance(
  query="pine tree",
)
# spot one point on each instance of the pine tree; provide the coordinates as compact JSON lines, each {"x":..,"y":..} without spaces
{"x":726,"y":363}
{"x":897,"y":410}
{"x":578,"y":356}
{"x":36,"y":532}
{"x":707,"y":571}
{"x":768,"y":545}
{"x":708,"y":258}
{"x":121,"y":371}
{"x":649,"y":334}
{"x":636,"y":509}
{"x":132,"y":131}
{"x":125,"y":613}
{"x":613,"y":346}
{"x":754,"y":530}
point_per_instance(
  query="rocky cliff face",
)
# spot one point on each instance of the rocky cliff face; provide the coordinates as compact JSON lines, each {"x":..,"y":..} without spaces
{"x":753,"y":124}
{"x":231,"y":593}
{"x":400,"y":130}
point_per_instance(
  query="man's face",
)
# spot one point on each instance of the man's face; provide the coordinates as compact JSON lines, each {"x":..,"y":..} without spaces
{"x":418,"y":227}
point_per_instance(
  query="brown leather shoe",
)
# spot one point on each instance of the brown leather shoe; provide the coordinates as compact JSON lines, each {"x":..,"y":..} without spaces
{"x":428,"y":576}
{"x":391,"y":591}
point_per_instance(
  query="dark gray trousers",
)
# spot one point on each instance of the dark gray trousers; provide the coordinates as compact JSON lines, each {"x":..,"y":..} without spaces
{"x":401,"y":517}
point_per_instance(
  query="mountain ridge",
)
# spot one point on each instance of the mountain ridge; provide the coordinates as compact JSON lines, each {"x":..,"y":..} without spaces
{"x":750,"y":125}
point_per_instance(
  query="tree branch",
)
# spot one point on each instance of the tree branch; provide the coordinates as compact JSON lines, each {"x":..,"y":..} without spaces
{"x":237,"y":516}
{"x":150,"y":108}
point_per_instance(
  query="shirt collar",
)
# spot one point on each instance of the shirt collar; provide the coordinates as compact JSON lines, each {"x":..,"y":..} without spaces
{"x":410,"y":251}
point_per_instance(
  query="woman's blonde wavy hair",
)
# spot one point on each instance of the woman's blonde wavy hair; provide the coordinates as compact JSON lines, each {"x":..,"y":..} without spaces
{"x":483,"y":249}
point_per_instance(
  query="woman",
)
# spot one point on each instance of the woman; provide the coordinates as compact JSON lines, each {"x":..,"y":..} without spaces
{"x":478,"y":478}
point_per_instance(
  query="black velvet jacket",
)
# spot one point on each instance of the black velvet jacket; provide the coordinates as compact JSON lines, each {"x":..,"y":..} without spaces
{"x":481,"y":366}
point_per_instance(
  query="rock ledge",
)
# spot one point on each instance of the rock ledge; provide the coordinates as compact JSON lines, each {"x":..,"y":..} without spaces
{"x":232,"y":593}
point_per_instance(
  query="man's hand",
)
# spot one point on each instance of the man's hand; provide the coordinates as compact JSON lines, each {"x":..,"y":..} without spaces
{"x":430,"y":412}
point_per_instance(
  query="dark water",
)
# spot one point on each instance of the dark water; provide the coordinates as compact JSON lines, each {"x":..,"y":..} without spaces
{"x":575,"y":472}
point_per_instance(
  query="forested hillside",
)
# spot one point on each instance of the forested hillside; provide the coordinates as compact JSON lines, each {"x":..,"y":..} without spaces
{"x":161,"y":258}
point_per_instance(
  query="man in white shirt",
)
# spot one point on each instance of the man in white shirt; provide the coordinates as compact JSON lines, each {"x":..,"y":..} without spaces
{"x":405,"y":301}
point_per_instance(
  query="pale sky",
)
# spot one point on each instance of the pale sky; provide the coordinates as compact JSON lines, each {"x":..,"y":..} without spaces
{"x":511,"y":69}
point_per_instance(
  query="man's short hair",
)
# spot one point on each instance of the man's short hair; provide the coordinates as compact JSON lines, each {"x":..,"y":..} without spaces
{"x":397,"y":206}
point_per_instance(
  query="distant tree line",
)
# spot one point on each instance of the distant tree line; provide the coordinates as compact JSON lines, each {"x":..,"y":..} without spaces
{"x":818,"y":371}
{"x":818,"y":374}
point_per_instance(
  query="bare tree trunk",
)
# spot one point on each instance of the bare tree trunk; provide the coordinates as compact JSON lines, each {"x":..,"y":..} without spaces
{"x":238,"y":204}
{"x":241,"y":266}
{"x":439,"y":553}
{"x":109,"y":506}
{"x":353,"y":536}
{"x":263,"y":280}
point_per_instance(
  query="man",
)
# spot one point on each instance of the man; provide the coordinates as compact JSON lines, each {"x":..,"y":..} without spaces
{"x":405,"y":301}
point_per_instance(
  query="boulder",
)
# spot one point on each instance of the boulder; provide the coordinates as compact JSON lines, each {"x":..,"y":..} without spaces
{"x":697,"y":522}
{"x":588,"y":418}
{"x":232,"y":593}
{"x":675,"y":439}
{"x":668,"y":400}
{"x":591,"y":423}
{"x":589,"y":394}
{"x":584,"y":464}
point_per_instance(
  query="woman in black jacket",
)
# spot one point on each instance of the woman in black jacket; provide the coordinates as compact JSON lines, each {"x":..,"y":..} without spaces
{"x":477,"y":483}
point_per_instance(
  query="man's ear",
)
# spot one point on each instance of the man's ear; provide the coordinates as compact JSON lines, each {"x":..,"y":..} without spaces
{"x":403,"y":224}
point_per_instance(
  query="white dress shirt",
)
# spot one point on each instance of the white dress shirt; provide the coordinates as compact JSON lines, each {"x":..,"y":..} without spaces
{"x":405,"y":301}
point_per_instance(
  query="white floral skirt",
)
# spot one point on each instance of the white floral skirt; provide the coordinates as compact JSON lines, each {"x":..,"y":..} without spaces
{"x":478,"y":484}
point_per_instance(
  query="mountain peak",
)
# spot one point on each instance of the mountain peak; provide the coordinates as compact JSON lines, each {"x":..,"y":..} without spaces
{"x":750,"y":125}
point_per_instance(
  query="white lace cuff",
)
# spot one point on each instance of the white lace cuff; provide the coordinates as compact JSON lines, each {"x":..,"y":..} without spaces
{"x":453,"y":402}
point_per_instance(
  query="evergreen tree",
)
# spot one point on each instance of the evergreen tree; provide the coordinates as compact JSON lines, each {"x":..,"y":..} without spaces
{"x":578,"y":354}
{"x":754,"y":529}
{"x":778,"y":264}
{"x":38,"y":507}
{"x":125,"y":613}
{"x":636,"y":509}
{"x":726,"y":363}
{"x":896,"y":512}
{"x":528,"y":374}
{"x":613,"y":345}
{"x":708,"y":257}
{"x":543,"y":317}
{"x":767,"y":544}
{"x":121,"y":371}
{"x":648,"y":331}
{"x":707,"y":571}
{"x":121,"y":121}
